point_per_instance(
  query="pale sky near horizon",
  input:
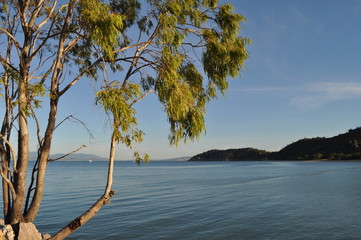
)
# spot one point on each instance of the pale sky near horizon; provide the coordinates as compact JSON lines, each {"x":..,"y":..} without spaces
{"x":303,"y":79}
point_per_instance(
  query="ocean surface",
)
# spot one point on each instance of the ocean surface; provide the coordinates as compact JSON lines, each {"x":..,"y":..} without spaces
{"x":207,"y":200}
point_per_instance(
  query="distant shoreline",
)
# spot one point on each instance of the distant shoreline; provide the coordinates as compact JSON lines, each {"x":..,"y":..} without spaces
{"x":343,"y":147}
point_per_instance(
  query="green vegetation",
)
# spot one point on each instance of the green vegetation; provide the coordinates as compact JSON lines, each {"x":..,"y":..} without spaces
{"x":345,"y":146}
{"x":243,"y":154}
{"x":184,"y":51}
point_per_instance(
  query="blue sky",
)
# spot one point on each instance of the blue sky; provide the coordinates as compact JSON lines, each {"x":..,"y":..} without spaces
{"x":303,"y":79}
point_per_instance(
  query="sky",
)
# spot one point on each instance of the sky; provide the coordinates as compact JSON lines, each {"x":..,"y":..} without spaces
{"x":303,"y":79}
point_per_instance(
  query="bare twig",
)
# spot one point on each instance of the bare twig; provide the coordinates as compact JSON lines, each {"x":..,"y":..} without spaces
{"x":78,"y":120}
{"x":143,"y":96}
{"x":64,"y":156}
{"x":37,"y":126}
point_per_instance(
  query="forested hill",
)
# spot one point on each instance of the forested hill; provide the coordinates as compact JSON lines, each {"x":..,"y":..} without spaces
{"x":242,"y":154}
{"x":346,"y":146}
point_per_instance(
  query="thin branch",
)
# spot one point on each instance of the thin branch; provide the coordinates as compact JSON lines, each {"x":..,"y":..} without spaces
{"x":47,"y":73}
{"x":42,"y":44}
{"x":143,"y":96}
{"x":64,"y":156}
{"x":11,"y":186}
{"x":22,"y":11}
{"x":17,"y":44}
{"x":195,"y":45}
{"x":31,"y":188}
{"x":37,"y":126}
{"x":72,"y":43}
{"x":35,"y":14}
{"x":78,"y":120}
{"x":134,"y":45}
{"x":75,"y":80}
{"x":12,"y":151}
{"x":34,"y":71}
{"x":145,"y":65}
{"x":138,"y":53}
{"x":4,"y":62}
{"x":6,"y":167}
{"x":49,"y":15}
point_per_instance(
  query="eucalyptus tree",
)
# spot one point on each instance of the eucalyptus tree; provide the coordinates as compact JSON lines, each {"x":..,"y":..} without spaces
{"x":181,"y":50}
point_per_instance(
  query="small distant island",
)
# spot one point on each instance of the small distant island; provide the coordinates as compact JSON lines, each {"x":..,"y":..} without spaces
{"x":346,"y":146}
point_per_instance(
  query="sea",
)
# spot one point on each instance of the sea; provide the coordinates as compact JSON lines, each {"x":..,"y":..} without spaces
{"x":207,"y":200}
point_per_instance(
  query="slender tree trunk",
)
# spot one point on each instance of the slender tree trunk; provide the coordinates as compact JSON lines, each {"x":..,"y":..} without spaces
{"x":23,"y":156}
{"x":5,"y":185}
{"x":46,"y":146}
{"x":43,"y":162}
{"x":5,"y":131}
{"x":103,"y":200}
{"x":5,"y":151}
{"x":23,"y":102}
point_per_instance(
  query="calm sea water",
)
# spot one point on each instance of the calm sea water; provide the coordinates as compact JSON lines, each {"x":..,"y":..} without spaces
{"x":208,"y":200}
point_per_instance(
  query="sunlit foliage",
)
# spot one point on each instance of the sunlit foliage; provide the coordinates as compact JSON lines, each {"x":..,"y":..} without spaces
{"x":182,"y":51}
{"x":178,"y":38}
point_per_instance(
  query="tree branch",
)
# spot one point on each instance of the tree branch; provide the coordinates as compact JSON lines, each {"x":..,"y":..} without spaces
{"x":145,"y":65}
{"x":137,"y":54}
{"x":103,"y":200}
{"x":11,"y":186}
{"x":5,"y":63}
{"x":37,"y":126}
{"x":12,"y":151}
{"x":78,"y":120}
{"x":75,"y":80}
{"x":17,"y":44}
{"x":42,"y":44}
{"x":143,"y":96}
{"x":65,"y":155}
{"x":48,"y":17}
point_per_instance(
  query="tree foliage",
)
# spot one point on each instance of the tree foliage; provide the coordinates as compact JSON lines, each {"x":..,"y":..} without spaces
{"x":181,"y":50}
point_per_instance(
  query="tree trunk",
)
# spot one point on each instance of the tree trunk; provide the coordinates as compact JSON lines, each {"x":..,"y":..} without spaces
{"x":23,"y":156}
{"x":5,"y":152}
{"x":5,"y":185}
{"x":43,"y":162}
{"x":46,"y":145}
{"x":5,"y":132}
{"x":103,"y":200}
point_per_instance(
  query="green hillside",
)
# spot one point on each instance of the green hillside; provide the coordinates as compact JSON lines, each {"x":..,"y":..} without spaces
{"x":242,"y":154}
{"x":346,"y":146}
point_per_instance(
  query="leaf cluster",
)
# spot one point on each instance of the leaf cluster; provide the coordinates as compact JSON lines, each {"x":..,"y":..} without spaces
{"x":101,"y":24}
{"x":182,"y":26}
{"x":181,"y":86}
{"x":182,"y":50}
{"x":117,"y":102}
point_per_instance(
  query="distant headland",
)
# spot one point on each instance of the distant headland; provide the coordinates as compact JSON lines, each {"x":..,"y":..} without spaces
{"x":346,"y":146}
